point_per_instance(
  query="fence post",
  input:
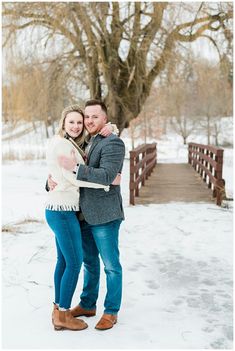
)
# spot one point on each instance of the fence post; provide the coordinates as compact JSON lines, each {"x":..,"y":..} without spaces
{"x":137,"y":176}
{"x":132,"y":179}
{"x":146,"y":165}
{"x":189,"y":153}
{"x":207,"y":160}
{"x":143,"y":175}
{"x":220,"y":184}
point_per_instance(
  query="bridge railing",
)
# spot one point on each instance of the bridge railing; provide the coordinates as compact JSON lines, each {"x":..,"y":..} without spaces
{"x":143,"y":159}
{"x":207,"y":160}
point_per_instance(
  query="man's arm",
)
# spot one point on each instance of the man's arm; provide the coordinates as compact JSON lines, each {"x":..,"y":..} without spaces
{"x":111,"y":161}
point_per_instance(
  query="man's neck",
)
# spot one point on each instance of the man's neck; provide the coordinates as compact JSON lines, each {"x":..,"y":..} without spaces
{"x":97,"y":132}
{"x":93,"y":135}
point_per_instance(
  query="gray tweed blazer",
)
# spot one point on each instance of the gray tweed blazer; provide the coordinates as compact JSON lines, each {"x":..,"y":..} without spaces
{"x":105,"y":160}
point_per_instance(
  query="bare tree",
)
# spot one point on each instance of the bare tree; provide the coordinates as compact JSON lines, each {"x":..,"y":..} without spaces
{"x":181,"y":107}
{"x":36,"y":93}
{"x":214,"y":97}
{"x":121,"y":47}
{"x":194,"y":94}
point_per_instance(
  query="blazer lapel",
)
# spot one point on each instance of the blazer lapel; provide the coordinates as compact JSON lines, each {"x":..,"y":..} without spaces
{"x":95,"y":142}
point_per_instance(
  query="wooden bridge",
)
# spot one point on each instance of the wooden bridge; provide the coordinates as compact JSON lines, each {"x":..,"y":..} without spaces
{"x":199,"y":180}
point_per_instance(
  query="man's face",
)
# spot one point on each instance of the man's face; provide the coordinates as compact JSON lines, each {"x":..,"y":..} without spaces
{"x":95,"y":119}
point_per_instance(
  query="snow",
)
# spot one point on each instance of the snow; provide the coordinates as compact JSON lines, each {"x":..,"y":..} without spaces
{"x":177,"y":269}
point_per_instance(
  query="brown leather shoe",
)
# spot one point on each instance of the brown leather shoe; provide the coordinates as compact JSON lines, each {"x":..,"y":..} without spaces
{"x":107,"y":321}
{"x":65,"y":320}
{"x":79,"y":311}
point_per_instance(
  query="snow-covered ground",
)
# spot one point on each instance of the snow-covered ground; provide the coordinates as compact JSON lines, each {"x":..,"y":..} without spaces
{"x":177,"y":265}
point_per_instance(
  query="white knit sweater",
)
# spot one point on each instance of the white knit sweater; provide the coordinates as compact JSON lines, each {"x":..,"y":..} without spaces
{"x":65,"y":196}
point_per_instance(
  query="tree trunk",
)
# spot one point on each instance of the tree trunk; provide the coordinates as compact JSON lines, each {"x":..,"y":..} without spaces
{"x":145,"y":127}
{"x":216,"y":134}
{"x":132,"y":132}
{"x":116,"y":113}
{"x":53,"y":127}
{"x":208,"y":130}
{"x":46,"y":129}
{"x":34,"y":125}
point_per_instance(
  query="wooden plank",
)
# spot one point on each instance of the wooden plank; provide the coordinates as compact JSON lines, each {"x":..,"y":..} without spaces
{"x":172,"y":183}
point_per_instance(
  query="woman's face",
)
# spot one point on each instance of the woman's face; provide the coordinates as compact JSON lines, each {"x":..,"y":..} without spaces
{"x":73,"y":124}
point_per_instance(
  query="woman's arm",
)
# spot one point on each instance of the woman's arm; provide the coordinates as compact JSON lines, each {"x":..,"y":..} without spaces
{"x":108,"y":129}
{"x":65,"y":148}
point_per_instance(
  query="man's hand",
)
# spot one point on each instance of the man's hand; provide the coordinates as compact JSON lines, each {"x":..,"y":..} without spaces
{"x":68,"y":163}
{"x":51,"y":183}
{"x":117,"y":180}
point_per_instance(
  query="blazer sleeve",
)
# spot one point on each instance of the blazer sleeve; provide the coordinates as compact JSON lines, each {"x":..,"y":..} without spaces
{"x":71,"y":177}
{"x":111,"y":161}
{"x":64,"y":149}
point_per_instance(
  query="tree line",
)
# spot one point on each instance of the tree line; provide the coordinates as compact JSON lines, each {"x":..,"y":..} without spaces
{"x":115,"y":51}
{"x":190,"y":100}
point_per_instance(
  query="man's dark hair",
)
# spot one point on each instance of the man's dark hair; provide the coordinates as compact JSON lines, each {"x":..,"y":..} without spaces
{"x":97,"y":102}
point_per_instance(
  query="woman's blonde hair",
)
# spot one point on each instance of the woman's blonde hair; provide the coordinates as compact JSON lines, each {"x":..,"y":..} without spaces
{"x":61,"y":131}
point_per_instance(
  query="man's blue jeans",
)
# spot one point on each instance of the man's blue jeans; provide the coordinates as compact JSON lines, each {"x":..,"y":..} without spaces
{"x":67,"y":231}
{"x":101,"y":239}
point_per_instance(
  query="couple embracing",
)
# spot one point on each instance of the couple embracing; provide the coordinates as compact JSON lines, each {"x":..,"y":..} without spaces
{"x":84,"y":210}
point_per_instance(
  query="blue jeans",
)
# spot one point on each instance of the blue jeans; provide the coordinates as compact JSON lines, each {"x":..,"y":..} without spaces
{"x":66,"y":228}
{"x":101,"y":239}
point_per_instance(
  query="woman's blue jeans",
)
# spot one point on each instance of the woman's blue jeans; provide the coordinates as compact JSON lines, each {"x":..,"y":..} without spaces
{"x":101,"y":239}
{"x":66,"y":228}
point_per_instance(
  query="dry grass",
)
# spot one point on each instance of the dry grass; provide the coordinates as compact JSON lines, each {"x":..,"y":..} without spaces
{"x":15,"y":227}
{"x":14,"y":155}
{"x":8,"y":229}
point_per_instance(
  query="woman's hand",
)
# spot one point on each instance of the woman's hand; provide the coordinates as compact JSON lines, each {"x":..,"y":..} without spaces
{"x":51,"y":183}
{"x":68,"y":163}
{"x":117,"y":180}
{"x":106,"y":130}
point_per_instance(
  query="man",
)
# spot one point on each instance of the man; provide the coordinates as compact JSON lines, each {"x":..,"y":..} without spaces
{"x":103,"y":214}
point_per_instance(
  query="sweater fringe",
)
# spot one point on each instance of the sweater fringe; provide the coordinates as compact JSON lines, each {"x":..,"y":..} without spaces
{"x":62,"y":207}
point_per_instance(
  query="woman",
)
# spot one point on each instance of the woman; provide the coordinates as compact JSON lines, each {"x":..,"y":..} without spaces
{"x":61,"y":207}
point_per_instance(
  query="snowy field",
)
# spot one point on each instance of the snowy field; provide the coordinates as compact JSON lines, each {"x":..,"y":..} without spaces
{"x":177,"y":265}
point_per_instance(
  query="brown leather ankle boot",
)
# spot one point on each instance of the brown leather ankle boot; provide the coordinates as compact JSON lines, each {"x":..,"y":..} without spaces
{"x":65,"y":320}
{"x":55,"y":307}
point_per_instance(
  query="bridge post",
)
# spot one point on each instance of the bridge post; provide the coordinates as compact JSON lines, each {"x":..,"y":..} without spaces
{"x":140,"y":169}
{"x":207,"y":160}
{"x":143,"y":174}
{"x":206,"y":165}
{"x":132,"y":178}
{"x":137,"y":175}
{"x":189,"y":153}
{"x":219,"y":186}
